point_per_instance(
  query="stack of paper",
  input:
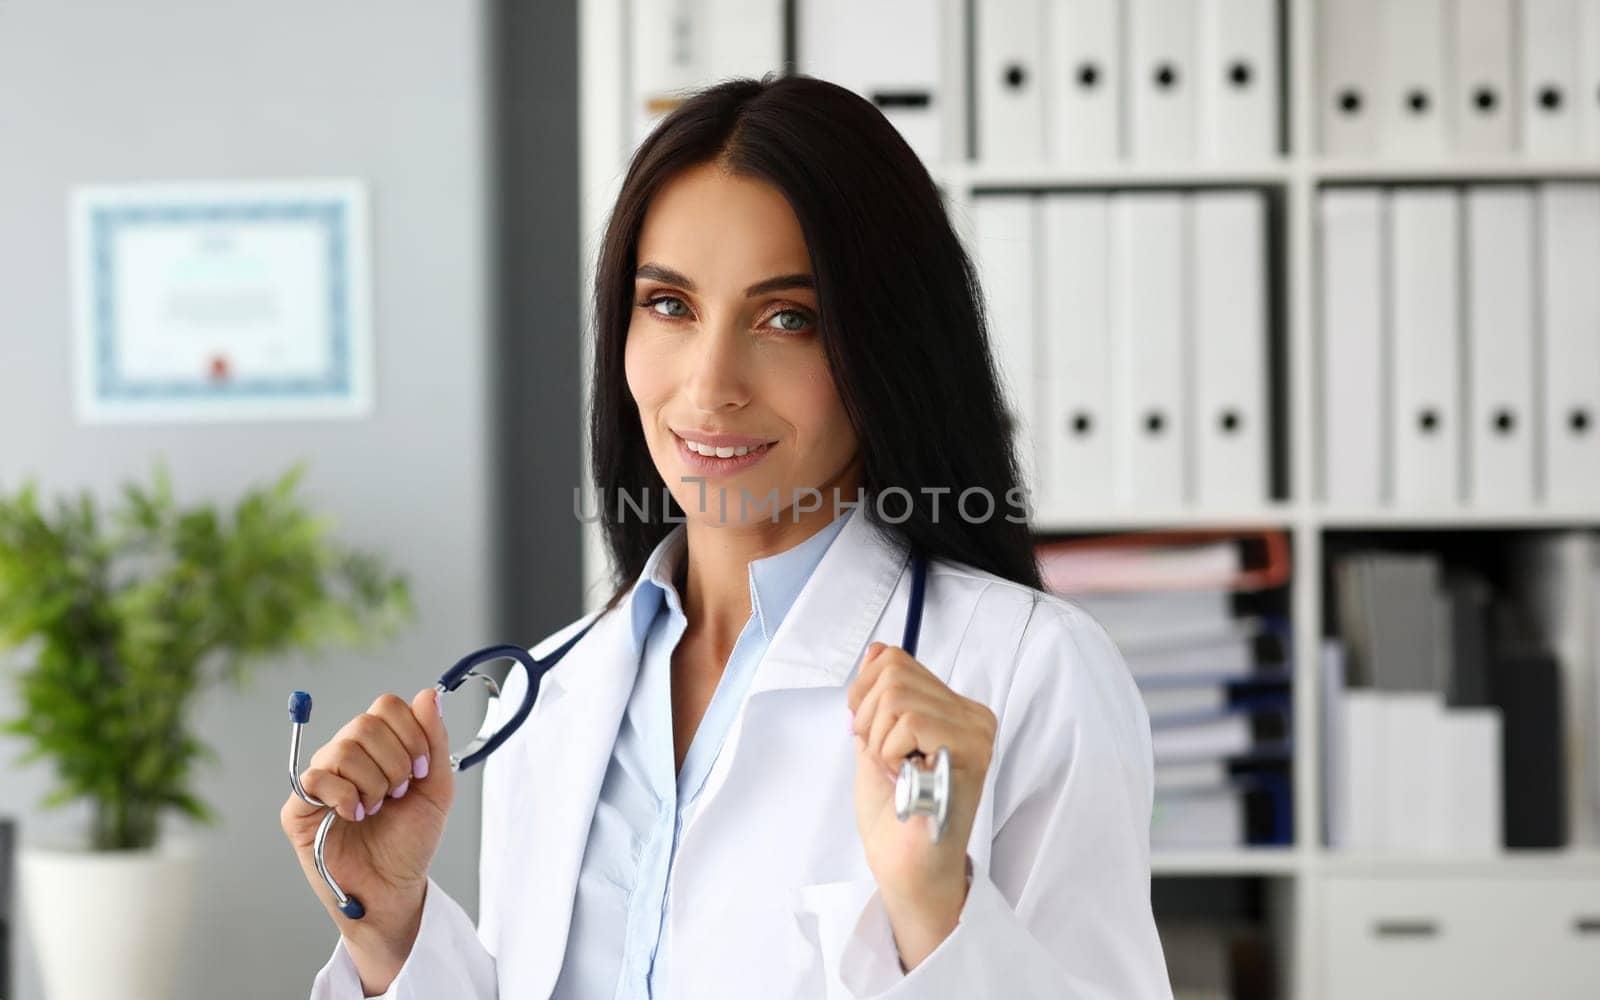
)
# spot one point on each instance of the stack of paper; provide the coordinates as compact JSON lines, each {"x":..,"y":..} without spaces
{"x":1215,"y":676}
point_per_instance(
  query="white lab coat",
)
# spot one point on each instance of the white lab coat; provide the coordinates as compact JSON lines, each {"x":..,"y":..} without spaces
{"x":770,"y":893}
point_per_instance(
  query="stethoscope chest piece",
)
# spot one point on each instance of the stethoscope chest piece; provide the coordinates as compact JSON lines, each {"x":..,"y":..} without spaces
{"x":925,"y":793}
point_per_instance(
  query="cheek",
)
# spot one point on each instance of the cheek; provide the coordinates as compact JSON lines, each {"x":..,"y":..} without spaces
{"x":644,"y":370}
{"x":816,"y":408}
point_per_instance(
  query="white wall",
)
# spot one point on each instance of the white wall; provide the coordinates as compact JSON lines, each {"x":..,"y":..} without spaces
{"x":161,"y":89}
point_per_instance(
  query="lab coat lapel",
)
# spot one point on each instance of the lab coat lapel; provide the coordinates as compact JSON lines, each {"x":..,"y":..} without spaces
{"x":820,"y":641}
{"x":832,"y":620}
{"x":571,"y":735}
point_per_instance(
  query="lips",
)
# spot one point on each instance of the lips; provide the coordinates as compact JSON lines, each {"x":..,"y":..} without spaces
{"x":707,"y":440}
{"x":720,"y":465}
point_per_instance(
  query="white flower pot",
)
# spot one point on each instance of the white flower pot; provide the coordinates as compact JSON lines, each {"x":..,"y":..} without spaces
{"x":108,"y":923}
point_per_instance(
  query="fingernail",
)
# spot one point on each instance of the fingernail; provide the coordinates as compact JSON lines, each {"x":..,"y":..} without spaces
{"x":419,"y":767}
{"x":400,"y":790}
{"x":438,"y":706}
{"x":376,"y":808}
{"x":361,"y":812}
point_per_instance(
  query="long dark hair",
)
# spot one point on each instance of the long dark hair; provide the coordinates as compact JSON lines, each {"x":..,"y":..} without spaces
{"x":899,"y":310}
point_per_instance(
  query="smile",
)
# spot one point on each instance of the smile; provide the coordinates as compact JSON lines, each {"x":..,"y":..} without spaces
{"x":721,"y":460}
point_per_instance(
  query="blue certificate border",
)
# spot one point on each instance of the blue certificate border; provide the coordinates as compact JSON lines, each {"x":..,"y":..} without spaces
{"x":113,"y":385}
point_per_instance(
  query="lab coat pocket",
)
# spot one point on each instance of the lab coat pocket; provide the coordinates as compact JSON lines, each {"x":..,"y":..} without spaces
{"x":856,"y":942}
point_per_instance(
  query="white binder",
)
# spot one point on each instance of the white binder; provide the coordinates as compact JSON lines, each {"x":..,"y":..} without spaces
{"x":1569,"y":223}
{"x":1550,"y":77}
{"x":843,"y":41}
{"x":1363,"y":774}
{"x":1228,"y":267}
{"x":1162,"y":82}
{"x":1589,"y":76}
{"x":1350,"y":320}
{"x":1149,"y":309}
{"x":1499,"y":343}
{"x":1347,"y":98}
{"x":1007,"y":233}
{"x":1411,"y":101}
{"x":1483,"y":96}
{"x":1083,"y":102}
{"x":1076,"y":359}
{"x":1009,"y":51}
{"x":1424,"y":356}
{"x":1410,"y":721}
{"x":678,"y":45}
{"x":1470,"y":775}
{"x":1238,"y":74}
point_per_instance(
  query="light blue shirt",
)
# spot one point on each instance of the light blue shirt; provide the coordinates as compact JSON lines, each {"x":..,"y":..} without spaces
{"x":616,"y":949}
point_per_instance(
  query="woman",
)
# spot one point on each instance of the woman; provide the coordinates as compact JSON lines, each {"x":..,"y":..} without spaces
{"x":792,"y":388}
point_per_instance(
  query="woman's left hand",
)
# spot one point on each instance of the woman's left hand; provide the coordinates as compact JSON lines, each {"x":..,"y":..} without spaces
{"x":898,"y":706}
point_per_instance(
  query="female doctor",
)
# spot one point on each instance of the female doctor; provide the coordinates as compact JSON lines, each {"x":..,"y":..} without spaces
{"x":792,"y":386}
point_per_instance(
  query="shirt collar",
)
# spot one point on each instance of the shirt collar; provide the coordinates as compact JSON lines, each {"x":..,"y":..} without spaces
{"x":775,"y":580}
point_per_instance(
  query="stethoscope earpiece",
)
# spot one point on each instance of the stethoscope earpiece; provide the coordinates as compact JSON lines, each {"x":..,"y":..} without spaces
{"x":299,"y":715}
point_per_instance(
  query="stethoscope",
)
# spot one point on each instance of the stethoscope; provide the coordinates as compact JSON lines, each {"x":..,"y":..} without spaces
{"x":917,"y":792}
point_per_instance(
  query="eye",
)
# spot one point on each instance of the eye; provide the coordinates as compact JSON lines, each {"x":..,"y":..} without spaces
{"x":676,"y":307}
{"x":790,"y":320}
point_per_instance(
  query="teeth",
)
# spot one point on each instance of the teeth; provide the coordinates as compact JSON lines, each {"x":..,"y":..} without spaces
{"x":710,"y":452}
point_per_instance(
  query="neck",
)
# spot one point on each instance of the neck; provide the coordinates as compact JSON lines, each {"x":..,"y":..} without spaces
{"x":716,"y":588}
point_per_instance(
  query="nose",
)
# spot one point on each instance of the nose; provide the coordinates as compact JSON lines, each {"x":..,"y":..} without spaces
{"x":717,"y":377}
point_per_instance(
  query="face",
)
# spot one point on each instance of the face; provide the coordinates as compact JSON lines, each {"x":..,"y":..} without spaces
{"x":724,"y":352}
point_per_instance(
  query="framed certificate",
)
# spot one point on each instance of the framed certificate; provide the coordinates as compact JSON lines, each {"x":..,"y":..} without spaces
{"x":215,"y":301}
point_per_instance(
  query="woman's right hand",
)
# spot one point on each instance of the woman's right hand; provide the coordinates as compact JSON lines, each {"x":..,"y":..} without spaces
{"x":387,"y":774}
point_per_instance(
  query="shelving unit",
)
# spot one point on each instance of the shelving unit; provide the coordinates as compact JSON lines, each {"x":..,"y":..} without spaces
{"x":1302,"y":871}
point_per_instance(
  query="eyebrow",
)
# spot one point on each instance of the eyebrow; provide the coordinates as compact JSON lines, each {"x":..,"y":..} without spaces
{"x":662,"y":273}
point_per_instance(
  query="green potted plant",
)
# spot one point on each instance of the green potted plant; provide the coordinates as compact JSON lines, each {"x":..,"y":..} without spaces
{"x":119,"y":621}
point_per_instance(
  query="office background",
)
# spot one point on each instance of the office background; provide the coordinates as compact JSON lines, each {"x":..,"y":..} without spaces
{"x":461,"y":476}
{"x":1238,"y":254}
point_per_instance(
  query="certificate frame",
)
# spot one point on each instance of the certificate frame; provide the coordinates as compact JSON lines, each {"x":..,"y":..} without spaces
{"x":303,"y":243}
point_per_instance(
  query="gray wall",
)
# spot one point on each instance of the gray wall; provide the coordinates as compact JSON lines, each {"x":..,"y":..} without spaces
{"x":398,"y":94}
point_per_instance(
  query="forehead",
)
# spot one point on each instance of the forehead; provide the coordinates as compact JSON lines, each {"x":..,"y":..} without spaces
{"x":722,"y":229}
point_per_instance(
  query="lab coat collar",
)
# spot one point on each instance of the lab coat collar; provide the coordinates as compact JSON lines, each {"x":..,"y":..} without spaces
{"x":823,"y":633}
{"x":820,"y":635}
{"x":826,"y":631}
{"x":775,"y":580}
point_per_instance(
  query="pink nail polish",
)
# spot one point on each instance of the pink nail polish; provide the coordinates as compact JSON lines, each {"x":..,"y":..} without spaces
{"x":400,"y":790}
{"x":419,"y":767}
{"x":361,"y":812}
{"x":376,"y":808}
